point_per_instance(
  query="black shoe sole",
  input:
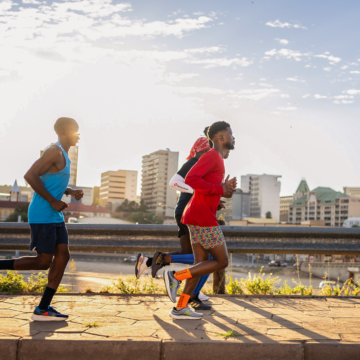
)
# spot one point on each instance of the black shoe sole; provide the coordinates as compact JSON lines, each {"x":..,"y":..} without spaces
{"x":136,"y":264}
{"x":155,"y":267}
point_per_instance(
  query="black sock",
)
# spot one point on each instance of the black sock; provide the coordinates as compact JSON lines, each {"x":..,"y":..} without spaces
{"x":149,"y":262}
{"x":7,"y":264}
{"x":46,"y":299}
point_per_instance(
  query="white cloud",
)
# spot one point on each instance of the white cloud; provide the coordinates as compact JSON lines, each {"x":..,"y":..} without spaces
{"x":352,"y":92}
{"x":318,"y":96}
{"x":344,"y":67}
{"x":286,"y":53}
{"x":284,"y":96}
{"x":343,"y":102}
{"x":332,"y":59}
{"x":175,"y":77}
{"x":32,"y":2}
{"x":327,"y":68}
{"x":250,"y":94}
{"x":278,"y":23}
{"x":282,"y":41}
{"x":355,"y":72}
{"x":305,"y":96}
{"x":295,"y":78}
{"x":203,"y":50}
{"x":288,"y":108}
{"x":221,"y":23}
{"x":265,"y":85}
{"x":90,"y":20}
{"x":254,"y":94}
{"x":343,"y":97}
{"x":210,"y":63}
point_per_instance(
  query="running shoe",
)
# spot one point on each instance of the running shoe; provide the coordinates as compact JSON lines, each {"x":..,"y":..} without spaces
{"x":185,"y":314}
{"x":48,"y":315}
{"x":172,"y":285}
{"x":140,"y":266}
{"x":197,"y":304}
{"x":203,"y":297}
{"x":157,"y":263}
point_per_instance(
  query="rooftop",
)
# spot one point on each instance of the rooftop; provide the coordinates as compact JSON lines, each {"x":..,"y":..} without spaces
{"x":325,"y":194}
{"x":86,"y":208}
{"x":11,"y":204}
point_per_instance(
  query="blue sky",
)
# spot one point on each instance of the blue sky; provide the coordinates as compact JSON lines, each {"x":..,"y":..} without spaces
{"x":141,"y":75}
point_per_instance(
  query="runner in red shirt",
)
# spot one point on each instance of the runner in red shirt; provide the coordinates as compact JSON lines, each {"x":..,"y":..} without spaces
{"x":206,"y":178}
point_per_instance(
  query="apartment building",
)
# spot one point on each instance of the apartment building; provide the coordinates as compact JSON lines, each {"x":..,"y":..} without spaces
{"x":264,"y":194}
{"x":86,"y":199}
{"x":352,"y":191}
{"x":116,"y":186}
{"x":324,"y":203}
{"x":157,"y":170}
{"x":237,"y":208}
{"x":73,"y":156}
{"x":287,"y":201}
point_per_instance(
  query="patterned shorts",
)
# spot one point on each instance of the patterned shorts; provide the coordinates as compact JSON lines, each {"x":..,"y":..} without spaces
{"x":209,"y":237}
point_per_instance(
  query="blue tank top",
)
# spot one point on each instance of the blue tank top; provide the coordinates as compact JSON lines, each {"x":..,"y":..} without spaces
{"x":40,"y":211}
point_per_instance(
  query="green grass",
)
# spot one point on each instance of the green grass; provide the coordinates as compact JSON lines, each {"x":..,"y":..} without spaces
{"x":92,"y":324}
{"x":229,"y":334}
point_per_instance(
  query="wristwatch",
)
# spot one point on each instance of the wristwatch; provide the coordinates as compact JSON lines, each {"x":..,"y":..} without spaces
{"x":67,"y":192}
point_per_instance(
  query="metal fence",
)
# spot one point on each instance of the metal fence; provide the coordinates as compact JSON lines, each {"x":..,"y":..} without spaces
{"x":239,"y":239}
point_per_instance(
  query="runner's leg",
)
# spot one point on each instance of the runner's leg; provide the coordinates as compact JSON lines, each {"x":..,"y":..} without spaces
{"x":205,"y":267}
{"x":38,"y":262}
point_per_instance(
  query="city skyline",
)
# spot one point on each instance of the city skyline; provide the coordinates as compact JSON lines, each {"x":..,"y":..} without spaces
{"x":140,"y":77}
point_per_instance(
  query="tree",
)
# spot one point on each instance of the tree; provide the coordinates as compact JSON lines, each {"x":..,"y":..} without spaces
{"x":141,"y":217}
{"x":21,"y":210}
{"x":268,"y":215}
{"x":143,"y":206}
{"x":132,"y":206}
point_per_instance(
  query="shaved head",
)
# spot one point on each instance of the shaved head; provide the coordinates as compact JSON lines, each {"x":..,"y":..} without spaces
{"x":65,"y":123}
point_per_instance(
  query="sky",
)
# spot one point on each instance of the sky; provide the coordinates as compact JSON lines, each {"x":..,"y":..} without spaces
{"x":140,"y":76}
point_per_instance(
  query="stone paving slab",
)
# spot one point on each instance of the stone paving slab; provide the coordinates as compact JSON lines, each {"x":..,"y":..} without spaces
{"x":140,"y":327}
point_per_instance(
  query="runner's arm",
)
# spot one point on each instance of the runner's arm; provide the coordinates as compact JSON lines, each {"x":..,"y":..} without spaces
{"x":40,"y":167}
{"x":178,"y":183}
{"x":195,"y":177}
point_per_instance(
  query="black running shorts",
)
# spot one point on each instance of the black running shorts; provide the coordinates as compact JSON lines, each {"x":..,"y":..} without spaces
{"x":45,"y":237}
{"x":182,"y":229}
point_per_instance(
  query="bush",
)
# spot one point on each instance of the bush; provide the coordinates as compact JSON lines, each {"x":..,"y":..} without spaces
{"x":145,"y":218}
{"x":257,"y":285}
{"x":14,"y":283}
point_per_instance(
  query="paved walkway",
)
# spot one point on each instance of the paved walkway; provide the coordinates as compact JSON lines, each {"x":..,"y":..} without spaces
{"x":278,"y":327}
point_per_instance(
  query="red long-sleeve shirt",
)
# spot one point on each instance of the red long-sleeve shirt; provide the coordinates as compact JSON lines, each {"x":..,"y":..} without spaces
{"x":205,"y":177}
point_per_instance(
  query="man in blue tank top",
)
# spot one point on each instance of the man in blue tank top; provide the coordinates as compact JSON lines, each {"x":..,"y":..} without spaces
{"x":49,"y":177}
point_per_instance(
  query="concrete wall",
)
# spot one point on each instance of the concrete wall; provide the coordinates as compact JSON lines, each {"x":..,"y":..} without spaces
{"x":333,"y":271}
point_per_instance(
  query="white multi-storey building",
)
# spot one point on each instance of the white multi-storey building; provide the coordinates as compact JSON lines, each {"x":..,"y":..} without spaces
{"x":116,"y":186}
{"x":264,"y":194}
{"x":157,"y":170}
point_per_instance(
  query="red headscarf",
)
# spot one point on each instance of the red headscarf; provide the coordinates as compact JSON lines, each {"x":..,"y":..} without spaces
{"x":200,"y":144}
